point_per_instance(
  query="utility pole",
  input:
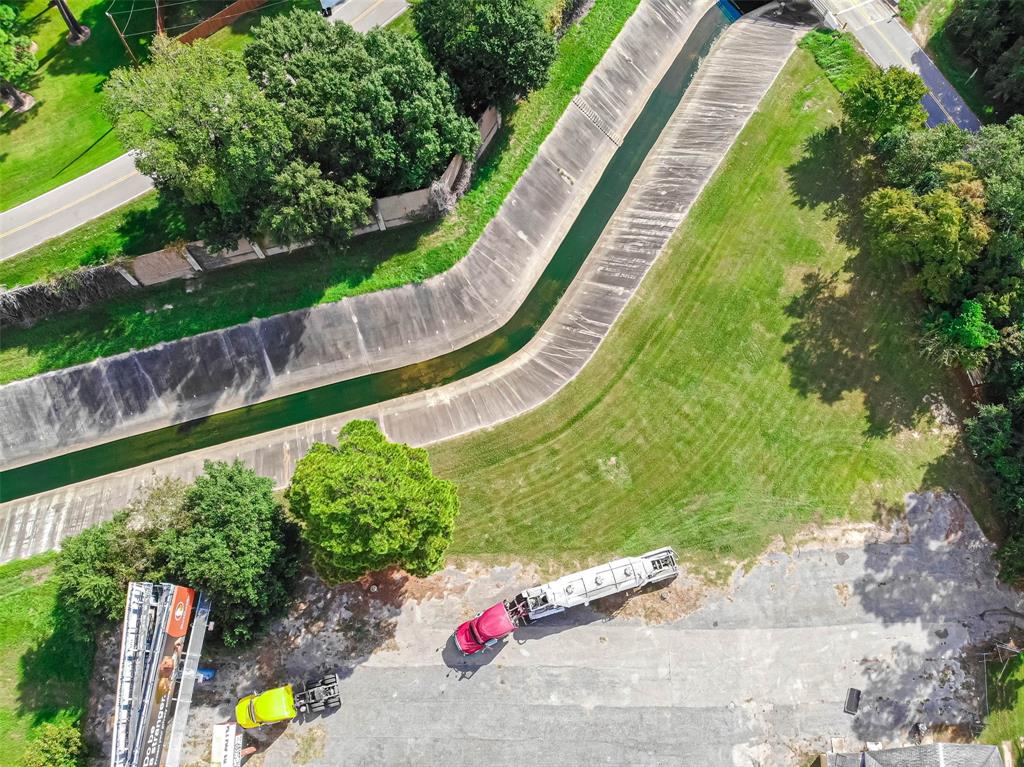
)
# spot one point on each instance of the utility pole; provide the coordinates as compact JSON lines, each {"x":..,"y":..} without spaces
{"x":78,"y":33}
{"x":123,"y":41}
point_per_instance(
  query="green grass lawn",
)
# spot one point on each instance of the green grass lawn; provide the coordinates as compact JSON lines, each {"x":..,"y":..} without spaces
{"x":765,"y":377}
{"x":65,"y":134}
{"x":293,"y":282}
{"x":1005,"y":702}
{"x":236,"y":35}
{"x":45,"y":665}
{"x":141,"y":226}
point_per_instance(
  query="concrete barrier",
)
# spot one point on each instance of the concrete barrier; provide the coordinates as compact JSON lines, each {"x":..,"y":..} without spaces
{"x":696,"y":140}
{"x":267,"y":358}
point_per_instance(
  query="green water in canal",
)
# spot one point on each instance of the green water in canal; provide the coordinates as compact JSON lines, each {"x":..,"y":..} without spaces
{"x":378,"y":387}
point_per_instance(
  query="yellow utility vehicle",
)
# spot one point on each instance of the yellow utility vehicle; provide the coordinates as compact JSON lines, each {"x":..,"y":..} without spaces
{"x":282,"y":704}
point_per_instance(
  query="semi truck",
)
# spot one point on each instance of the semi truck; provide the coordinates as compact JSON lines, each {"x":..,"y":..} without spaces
{"x":501,"y":619}
{"x":284,"y":703}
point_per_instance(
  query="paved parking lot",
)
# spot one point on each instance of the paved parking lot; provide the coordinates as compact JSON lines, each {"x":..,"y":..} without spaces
{"x":754,"y":673}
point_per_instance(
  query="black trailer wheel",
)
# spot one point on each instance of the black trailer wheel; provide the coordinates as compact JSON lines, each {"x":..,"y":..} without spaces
{"x":330,"y":679}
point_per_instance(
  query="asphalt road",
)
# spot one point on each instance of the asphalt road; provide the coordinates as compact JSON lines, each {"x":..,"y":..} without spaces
{"x":118,"y":182}
{"x":889,"y":43}
{"x":753,"y":674}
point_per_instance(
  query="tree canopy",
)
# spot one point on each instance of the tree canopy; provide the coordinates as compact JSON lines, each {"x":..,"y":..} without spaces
{"x":229,"y":540}
{"x":224,"y":535}
{"x":295,"y":136}
{"x":202,"y":130}
{"x":369,"y":503}
{"x":17,"y":61}
{"x":942,"y":232}
{"x":371,"y":106}
{"x":884,"y":100}
{"x":495,"y":50}
{"x":991,"y":33}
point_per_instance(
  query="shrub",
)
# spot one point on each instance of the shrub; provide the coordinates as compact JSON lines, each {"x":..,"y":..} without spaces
{"x":56,"y":745}
{"x":961,"y":339}
{"x":95,"y":566}
{"x":230,"y":541}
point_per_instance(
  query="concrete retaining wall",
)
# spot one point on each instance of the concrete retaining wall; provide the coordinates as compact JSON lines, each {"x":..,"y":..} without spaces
{"x":195,"y":377}
{"x":189,"y":260}
{"x":720,"y":101}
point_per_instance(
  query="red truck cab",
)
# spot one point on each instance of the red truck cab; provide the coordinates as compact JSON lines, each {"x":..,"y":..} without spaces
{"x":484,"y":630}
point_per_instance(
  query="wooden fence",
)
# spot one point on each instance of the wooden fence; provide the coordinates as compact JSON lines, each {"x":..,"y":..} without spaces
{"x":220,"y":19}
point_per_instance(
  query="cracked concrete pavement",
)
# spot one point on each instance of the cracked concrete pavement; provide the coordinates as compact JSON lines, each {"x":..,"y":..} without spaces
{"x":751,"y":673}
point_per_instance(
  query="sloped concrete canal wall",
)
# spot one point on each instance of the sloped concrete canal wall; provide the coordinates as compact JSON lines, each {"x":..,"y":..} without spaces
{"x":264,"y":359}
{"x":725,"y":93}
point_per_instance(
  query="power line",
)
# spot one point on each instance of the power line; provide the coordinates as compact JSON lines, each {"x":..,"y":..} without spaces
{"x":196,"y":24}
{"x":165,"y":5}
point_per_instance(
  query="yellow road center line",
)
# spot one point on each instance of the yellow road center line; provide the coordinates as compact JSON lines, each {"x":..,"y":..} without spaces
{"x":908,"y":65}
{"x":362,"y":15}
{"x":71,"y":204}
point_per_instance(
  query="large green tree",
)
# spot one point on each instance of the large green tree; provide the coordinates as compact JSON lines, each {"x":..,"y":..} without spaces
{"x":371,"y":108}
{"x":95,"y":566}
{"x":202,"y":130}
{"x":369,"y":503}
{"x":942,"y":233}
{"x":495,"y":50}
{"x":229,"y":540}
{"x":17,"y":61}
{"x":914,"y":158}
{"x":224,"y":535}
{"x":884,"y":100}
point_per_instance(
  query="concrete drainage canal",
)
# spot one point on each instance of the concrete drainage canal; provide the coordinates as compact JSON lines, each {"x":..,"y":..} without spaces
{"x":378,"y":387}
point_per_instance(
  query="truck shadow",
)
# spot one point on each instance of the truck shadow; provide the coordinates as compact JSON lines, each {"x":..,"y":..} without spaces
{"x":464,"y":667}
{"x":599,"y":611}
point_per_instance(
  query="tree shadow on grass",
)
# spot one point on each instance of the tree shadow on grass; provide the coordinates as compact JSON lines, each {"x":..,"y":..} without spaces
{"x":102,"y":53}
{"x":54,"y":673}
{"x":856,"y":331}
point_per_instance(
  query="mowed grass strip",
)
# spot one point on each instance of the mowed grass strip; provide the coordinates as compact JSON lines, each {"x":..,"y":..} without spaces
{"x":45,"y":662}
{"x":1005,"y":701}
{"x":65,"y":134}
{"x":318,"y":275}
{"x":762,"y":379}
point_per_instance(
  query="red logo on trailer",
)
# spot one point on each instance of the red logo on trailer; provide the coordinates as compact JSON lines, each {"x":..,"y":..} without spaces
{"x":181,"y":610}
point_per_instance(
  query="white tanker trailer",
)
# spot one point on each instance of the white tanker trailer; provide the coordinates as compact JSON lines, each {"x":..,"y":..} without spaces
{"x":580,"y":588}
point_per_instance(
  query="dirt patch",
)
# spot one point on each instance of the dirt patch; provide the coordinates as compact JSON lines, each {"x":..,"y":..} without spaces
{"x":656,"y":604}
{"x":843,"y":592}
{"x":309,"y":745}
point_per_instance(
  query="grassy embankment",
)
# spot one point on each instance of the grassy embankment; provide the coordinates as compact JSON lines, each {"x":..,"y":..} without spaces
{"x":44,"y":665}
{"x":316,"y":276}
{"x":766,"y":377}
